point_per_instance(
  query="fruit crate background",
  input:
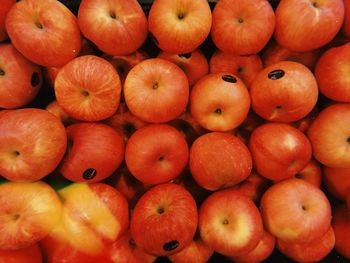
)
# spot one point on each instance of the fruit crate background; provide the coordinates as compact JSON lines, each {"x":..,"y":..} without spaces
{"x":46,"y":95}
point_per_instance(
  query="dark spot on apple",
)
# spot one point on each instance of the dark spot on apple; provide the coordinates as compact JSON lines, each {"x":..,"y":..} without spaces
{"x":276,"y":74}
{"x":155,"y":40}
{"x":160,"y":210}
{"x":303,"y":207}
{"x":2,"y":72}
{"x":229,"y":78}
{"x":129,"y":129}
{"x":225,"y":222}
{"x":38,"y":25}
{"x":181,"y":15}
{"x":15,"y":217}
{"x":240,"y":20}
{"x":35,"y":80}
{"x":85,"y":93}
{"x":155,"y":85}
{"x":185,"y":56}
{"x":112,"y":14}
{"x":278,"y":107}
{"x":218,"y":111}
{"x":348,"y":139}
{"x":132,"y":243}
{"x":171,"y":245}
{"x":161,"y":158}
{"x":240,"y":69}
{"x":16,"y":153}
{"x":89,"y":174}
{"x":314,"y":4}
{"x":299,"y":175}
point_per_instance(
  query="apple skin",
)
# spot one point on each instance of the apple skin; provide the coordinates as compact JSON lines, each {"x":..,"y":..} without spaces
{"x":4,"y":9}
{"x":179,"y":26}
{"x":299,"y":22}
{"x":337,"y":181}
{"x":54,"y":108}
{"x":346,"y":23}
{"x":313,"y":251}
{"x":311,"y":173}
{"x":97,"y":151}
{"x":230,"y":228}
{"x":244,"y":67}
{"x":329,"y":136}
{"x":28,"y":212}
{"x":31,"y":254}
{"x":284,"y":92}
{"x":32,"y":144}
{"x":304,"y":124}
{"x":341,"y":226}
{"x":156,"y":90}
{"x":348,"y":199}
{"x":24,"y":78}
{"x":219,"y":160}
{"x":279,"y":150}
{"x":164,"y":220}
{"x":33,"y":28}
{"x":115,"y":27}
{"x":242,"y":27}
{"x":219,"y":102}
{"x":156,"y":153}
{"x":83,"y":93}
{"x":288,"y":203}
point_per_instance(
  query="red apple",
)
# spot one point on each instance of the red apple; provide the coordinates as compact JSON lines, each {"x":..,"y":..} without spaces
{"x":30,"y":254}
{"x":219,"y":160}
{"x":311,"y":173}
{"x":156,"y":153}
{"x":295,"y":211}
{"x":346,"y":23}
{"x":164,"y":220}
{"x":341,"y":226}
{"x":28,"y":212}
{"x":4,"y":9}
{"x":245,"y":67}
{"x":337,"y":181}
{"x":329,"y":136}
{"x":299,"y":23}
{"x":116,"y":27}
{"x":156,"y":90}
{"x":279,"y":150}
{"x":348,"y":199}
{"x":231,"y":228}
{"x":84,"y":93}
{"x":304,"y":124}
{"x":219,"y":102}
{"x":44,"y":31}
{"x":32,"y":144}
{"x":242,"y":26}
{"x":54,"y":108}
{"x":179,"y":26}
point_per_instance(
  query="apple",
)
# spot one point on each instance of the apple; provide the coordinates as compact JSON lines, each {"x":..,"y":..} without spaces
{"x":304,"y":123}
{"x":28,"y":212}
{"x":219,"y":160}
{"x":20,"y":79}
{"x":313,"y":251}
{"x":346,"y":23}
{"x":44,"y":31}
{"x":231,"y":228}
{"x":311,"y":173}
{"x":96,"y":151}
{"x":179,"y":26}
{"x":31,"y":254}
{"x":295,"y":211}
{"x":337,"y":181}
{"x":4,"y":9}
{"x":219,"y":102}
{"x":284,"y":92}
{"x":116,"y":27}
{"x":329,"y":136}
{"x":194,"y":64}
{"x":348,"y":199}
{"x":245,"y":67}
{"x":84,"y":93}
{"x":242,"y":27}
{"x":156,"y":90}
{"x":156,"y":153}
{"x":54,"y":108}
{"x":341,"y":226}
{"x":32,"y":144}
{"x":164,"y":220}
{"x":299,"y":23}
{"x":279,"y":150}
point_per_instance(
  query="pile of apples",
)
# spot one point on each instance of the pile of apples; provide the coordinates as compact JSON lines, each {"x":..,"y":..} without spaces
{"x":179,"y":156}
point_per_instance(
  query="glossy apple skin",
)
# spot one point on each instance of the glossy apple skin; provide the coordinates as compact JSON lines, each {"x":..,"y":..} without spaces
{"x":346,"y":23}
{"x":298,"y":23}
{"x":230,"y":228}
{"x":311,"y":173}
{"x":313,"y":251}
{"x":30,"y":254}
{"x":34,"y":30}
{"x":164,"y":220}
{"x":24,"y":78}
{"x":116,"y":27}
{"x":329,"y":136}
{"x":84,"y":93}
{"x":28,"y":212}
{"x":284,"y":92}
{"x":244,"y":67}
{"x":341,"y":226}
{"x":279,"y":150}
{"x":261,"y":252}
{"x":242,"y":27}
{"x":331,"y":73}
{"x":219,"y":102}
{"x":295,"y":211}
{"x":337,"y":181}
{"x":32,"y":144}
{"x":97,"y":151}
{"x":156,"y":90}
{"x":156,"y":153}
{"x":219,"y":160}
{"x":179,"y":26}
{"x":194,"y":64}
{"x":4,"y":9}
